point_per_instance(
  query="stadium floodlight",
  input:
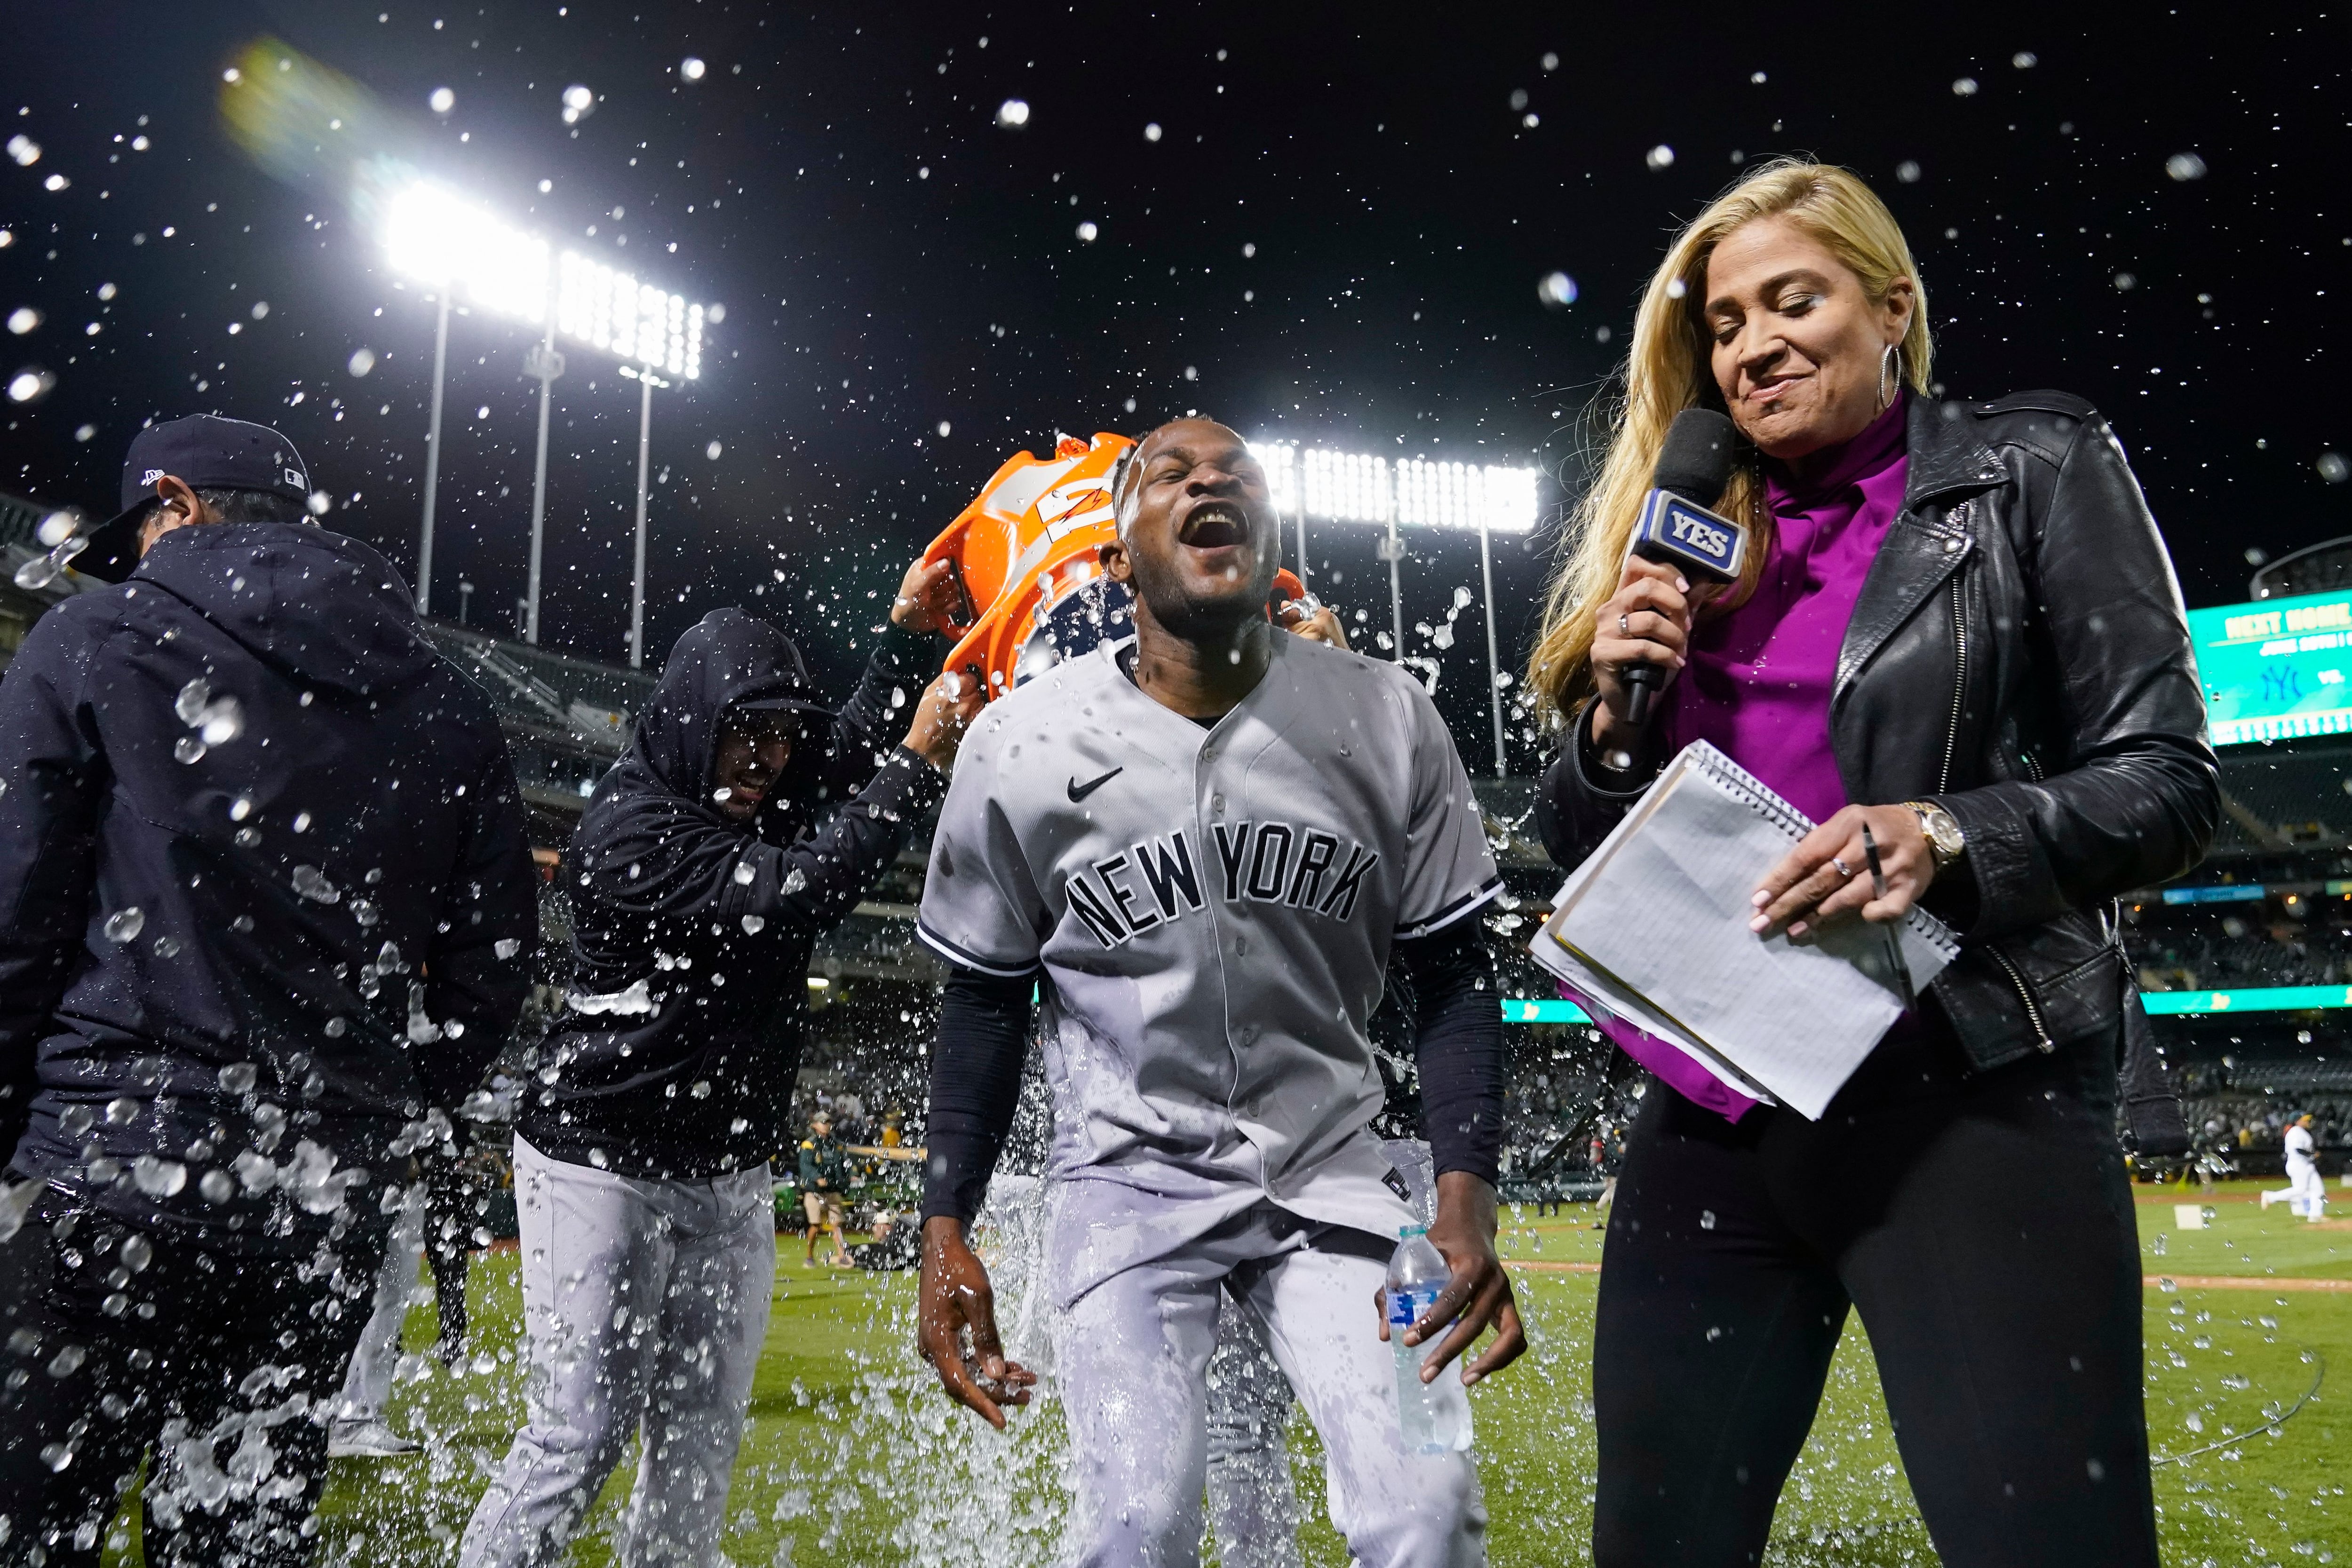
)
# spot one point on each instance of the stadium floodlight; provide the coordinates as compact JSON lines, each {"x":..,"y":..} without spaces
{"x":657,"y":335}
{"x":611,"y":310}
{"x":434,"y":236}
{"x":1359,"y":488}
{"x":1280,"y":461}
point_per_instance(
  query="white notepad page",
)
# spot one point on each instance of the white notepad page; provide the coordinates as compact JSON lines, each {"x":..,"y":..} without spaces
{"x":1658,"y":917}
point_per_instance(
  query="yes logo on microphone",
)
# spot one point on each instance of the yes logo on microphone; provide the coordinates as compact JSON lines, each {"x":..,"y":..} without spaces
{"x":1707,"y":547}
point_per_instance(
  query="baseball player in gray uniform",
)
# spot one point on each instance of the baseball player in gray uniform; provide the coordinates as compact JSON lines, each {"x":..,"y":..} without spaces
{"x":1201,"y":846}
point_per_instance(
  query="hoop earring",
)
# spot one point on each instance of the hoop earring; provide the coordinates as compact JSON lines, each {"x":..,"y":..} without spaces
{"x":1890,"y":384}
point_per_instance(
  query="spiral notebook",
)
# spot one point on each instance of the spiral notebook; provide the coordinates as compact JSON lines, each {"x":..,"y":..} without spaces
{"x":1654,"y":926}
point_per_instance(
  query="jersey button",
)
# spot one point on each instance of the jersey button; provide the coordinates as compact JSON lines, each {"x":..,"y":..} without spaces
{"x":1217,"y":805}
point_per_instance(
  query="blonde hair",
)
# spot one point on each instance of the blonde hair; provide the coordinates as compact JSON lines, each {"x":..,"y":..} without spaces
{"x":1667,"y":371}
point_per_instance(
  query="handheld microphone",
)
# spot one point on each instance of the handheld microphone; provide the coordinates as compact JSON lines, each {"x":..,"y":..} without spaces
{"x":1675,"y":528}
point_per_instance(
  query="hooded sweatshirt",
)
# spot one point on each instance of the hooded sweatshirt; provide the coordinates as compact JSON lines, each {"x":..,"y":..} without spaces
{"x":265,"y":893}
{"x":691,"y":931}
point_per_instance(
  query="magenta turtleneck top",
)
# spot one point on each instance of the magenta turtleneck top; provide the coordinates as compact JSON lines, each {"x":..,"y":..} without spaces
{"x":1758,"y":678}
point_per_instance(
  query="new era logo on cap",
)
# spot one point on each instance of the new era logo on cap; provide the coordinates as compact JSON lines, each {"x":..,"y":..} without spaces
{"x":206,"y":452}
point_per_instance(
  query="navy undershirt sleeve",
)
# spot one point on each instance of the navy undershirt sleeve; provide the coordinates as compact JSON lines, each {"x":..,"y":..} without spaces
{"x":1458,"y":1022}
{"x":975,"y":1086}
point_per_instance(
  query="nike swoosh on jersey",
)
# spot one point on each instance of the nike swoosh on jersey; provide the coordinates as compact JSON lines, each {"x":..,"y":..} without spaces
{"x":1079,"y":792}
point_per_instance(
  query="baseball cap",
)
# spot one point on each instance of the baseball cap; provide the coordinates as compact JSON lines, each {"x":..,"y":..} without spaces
{"x":208,"y":453}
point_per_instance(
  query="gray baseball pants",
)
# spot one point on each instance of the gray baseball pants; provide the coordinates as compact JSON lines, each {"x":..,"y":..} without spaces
{"x":646,"y":1302}
{"x":1133,"y":1353}
{"x":367,"y":1382}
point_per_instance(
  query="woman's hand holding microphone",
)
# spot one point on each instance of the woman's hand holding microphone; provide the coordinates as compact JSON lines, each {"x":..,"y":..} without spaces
{"x":1646,"y":621}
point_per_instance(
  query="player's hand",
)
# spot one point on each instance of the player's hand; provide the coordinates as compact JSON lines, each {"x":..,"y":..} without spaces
{"x":956,"y":1301}
{"x":1477,"y":1296}
{"x":949,"y":704}
{"x":1807,"y":889}
{"x":1316,"y":623}
{"x":926,"y":597}
{"x":1646,"y":621}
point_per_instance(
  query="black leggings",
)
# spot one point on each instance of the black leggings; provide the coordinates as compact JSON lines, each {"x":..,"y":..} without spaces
{"x":1982,"y":1225}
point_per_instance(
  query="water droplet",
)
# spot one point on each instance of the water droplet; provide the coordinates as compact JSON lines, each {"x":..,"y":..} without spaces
{"x":1965,"y":87}
{"x":311,"y":883}
{"x":57,"y":1455}
{"x":123,"y":925}
{"x":75,"y":1119}
{"x":190,"y":704}
{"x":223,"y":722}
{"x":247,"y":838}
{"x":506,"y":947}
{"x":138,"y":1252}
{"x":1012,"y":113}
{"x":188,"y":749}
{"x":238,"y":1078}
{"x":335,"y":1028}
{"x":1660,"y":156}
{"x":1556,"y":289}
{"x":754,"y":924}
{"x":364,"y":911}
{"x":167,"y":947}
{"x":215,"y":1186}
{"x":744,"y":875}
{"x":123,"y":1111}
{"x":158,"y":1178}
{"x":240,"y":808}
{"x":65,"y":1363}
{"x":1706,"y":1219}
{"x":39,"y":572}
{"x":2185,"y":167}
{"x":301,"y":822}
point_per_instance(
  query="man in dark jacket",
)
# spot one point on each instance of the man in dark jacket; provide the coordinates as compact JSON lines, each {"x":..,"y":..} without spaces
{"x":700,"y":879}
{"x":264,"y":903}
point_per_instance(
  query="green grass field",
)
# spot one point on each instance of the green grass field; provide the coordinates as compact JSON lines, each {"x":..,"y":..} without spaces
{"x":853,"y":1458}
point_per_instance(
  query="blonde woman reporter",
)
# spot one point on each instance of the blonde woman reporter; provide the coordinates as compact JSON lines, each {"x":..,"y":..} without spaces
{"x":1959,"y":628}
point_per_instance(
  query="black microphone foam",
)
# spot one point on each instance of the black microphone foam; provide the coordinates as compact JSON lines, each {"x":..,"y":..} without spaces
{"x":1696,"y":461}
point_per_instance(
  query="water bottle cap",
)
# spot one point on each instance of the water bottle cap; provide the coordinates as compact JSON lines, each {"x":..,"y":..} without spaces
{"x":1405,"y":1231}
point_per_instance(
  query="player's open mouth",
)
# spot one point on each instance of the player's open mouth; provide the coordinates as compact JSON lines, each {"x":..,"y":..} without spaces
{"x":1214,"y":525}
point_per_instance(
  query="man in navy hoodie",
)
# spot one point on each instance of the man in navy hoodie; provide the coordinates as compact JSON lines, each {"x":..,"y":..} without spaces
{"x":266,"y":912}
{"x":747,"y":818}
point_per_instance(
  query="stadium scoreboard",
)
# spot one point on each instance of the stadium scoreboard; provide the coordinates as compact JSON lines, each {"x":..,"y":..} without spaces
{"x":2275,"y":670}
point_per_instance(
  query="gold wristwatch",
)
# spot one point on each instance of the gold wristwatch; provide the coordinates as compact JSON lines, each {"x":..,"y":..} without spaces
{"x":1946,"y":842}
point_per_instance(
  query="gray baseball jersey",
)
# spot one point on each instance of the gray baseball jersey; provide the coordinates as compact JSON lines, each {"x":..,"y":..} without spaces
{"x":1213,"y":910}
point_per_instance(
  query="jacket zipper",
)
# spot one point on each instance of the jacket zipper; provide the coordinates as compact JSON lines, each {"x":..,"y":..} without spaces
{"x":2032,"y":1011}
{"x":1959,"y":684}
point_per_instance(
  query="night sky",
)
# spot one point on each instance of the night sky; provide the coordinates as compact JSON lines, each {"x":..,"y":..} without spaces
{"x":1337,"y":237}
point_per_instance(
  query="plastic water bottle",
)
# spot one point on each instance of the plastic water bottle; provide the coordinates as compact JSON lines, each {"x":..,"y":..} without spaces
{"x":1434,"y":1416}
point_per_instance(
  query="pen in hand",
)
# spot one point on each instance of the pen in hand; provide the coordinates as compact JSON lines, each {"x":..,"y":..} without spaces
{"x":1893,"y":939}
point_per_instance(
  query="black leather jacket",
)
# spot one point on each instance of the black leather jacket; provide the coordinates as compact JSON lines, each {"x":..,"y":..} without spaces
{"x":2019,"y":654}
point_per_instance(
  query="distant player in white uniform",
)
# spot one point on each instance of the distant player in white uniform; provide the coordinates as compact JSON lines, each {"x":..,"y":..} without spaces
{"x":1206,"y":843}
{"x":2305,"y":1193}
